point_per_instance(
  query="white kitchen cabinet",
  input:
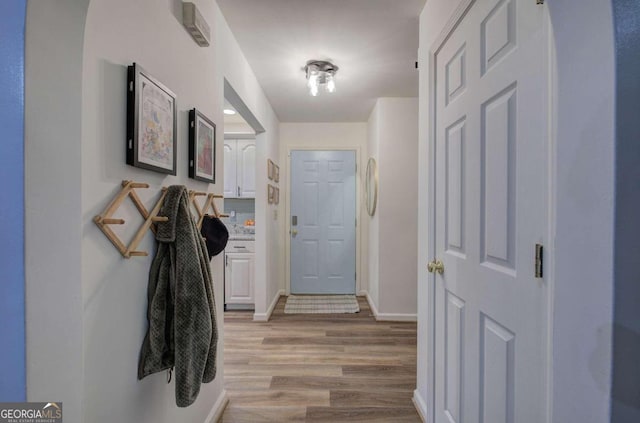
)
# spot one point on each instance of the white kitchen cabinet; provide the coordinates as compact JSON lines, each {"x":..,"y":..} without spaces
{"x":239,"y":168}
{"x":230,"y":167}
{"x":239,"y":272}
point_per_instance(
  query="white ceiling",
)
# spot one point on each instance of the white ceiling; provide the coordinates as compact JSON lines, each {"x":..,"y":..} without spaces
{"x":374,"y":42}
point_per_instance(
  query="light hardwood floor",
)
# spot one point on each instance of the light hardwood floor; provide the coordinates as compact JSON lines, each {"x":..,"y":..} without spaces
{"x":319,"y":368}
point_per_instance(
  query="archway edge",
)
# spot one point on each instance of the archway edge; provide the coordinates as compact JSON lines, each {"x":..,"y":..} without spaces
{"x":53,"y":230}
{"x":582,"y":302}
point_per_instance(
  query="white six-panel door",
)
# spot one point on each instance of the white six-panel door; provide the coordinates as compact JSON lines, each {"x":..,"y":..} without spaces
{"x":491,"y":135}
{"x":323,"y":226}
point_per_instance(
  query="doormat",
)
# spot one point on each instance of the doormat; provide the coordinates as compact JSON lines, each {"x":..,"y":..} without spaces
{"x":317,"y":304}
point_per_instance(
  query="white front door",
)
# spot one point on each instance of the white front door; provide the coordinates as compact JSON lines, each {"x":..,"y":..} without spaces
{"x":323,"y":222}
{"x":491,"y":209}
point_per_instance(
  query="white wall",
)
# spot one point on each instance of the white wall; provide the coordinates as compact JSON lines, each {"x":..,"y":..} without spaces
{"x":398,"y":219}
{"x":351,"y":135}
{"x":583,"y":170}
{"x":269,"y":244}
{"x":393,"y":243}
{"x":77,"y":282}
{"x":115,"y":289}
{"x":371,"y":224}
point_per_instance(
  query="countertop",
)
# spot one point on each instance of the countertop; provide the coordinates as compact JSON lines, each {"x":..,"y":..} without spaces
{"x":239,"y":232}
{"x":242,"y":237}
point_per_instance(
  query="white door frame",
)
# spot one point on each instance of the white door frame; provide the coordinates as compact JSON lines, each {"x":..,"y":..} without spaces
{"x":287,"y":221}
{"x":549,"y":265}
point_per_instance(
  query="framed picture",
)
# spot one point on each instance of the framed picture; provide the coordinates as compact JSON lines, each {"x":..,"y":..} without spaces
{"x":151,"y":123}
{"x":202,"y":147}
{"x":276,"y":173}
{"x":276,"y":196}
{"x":271,"y":192}
{"x":270,"y":166}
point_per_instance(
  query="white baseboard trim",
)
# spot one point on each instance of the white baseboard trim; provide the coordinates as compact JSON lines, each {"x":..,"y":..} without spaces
{"x":390,"y":317}
{"x":396,"y":317}
{"x":218,"y":408}
{"x":264,"y":317}
{"x":421,"y":406}
{"x":372,"y":306}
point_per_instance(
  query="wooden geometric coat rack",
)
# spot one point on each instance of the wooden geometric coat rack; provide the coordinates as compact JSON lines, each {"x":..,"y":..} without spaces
{"x":105,"y":219}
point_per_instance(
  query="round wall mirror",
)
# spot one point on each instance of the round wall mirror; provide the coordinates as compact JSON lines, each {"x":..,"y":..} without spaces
{"x":371,"y":187}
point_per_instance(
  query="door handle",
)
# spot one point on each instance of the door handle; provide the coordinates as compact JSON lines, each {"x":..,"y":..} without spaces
{"x":436,"y":266}
{"x":294,"y":232}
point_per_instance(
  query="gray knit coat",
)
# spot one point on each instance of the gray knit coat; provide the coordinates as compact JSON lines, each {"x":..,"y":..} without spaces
{"x":182,"y":330}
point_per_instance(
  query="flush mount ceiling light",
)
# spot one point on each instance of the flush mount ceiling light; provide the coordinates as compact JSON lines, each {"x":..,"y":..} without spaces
{"x":229,"y":112}
{"x":320,"y":73}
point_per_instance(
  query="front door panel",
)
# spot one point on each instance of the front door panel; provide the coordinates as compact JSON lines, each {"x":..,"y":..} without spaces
{"x":323,"y":233}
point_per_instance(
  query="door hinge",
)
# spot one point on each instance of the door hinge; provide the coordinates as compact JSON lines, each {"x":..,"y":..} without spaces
{"x":538,"y":261}
{"x":356,"y":167}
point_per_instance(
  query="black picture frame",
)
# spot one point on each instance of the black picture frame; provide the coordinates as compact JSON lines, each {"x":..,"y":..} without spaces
{"x":152,"y":136}
{"x":202,"y":147}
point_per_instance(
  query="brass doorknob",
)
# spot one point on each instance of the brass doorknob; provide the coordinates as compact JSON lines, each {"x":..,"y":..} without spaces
{"x":436,"y":266}
{"x":294,"y":232}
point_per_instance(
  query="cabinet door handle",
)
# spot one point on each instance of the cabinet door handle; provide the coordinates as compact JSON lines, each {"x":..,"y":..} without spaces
{"x":238,"y":191}
{"x":226,"y":261}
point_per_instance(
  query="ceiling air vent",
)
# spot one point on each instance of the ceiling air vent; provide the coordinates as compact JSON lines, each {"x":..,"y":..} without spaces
{"x":195,"y":24}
